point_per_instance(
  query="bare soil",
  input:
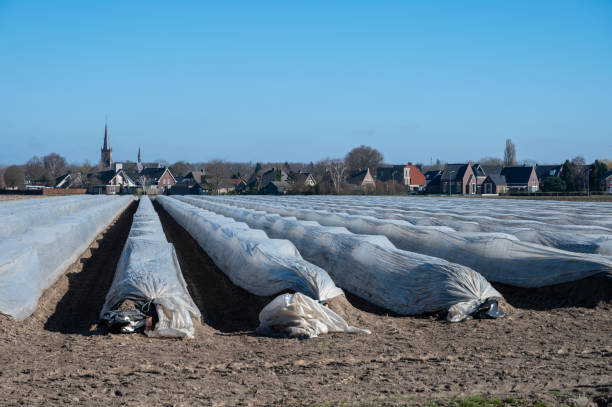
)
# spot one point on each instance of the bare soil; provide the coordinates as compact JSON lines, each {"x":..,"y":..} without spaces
{"x":555,"y":347}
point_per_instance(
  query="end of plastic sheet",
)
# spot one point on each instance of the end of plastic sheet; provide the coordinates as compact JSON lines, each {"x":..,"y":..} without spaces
{"x":299,"y":316}
{"x":475,"y":309}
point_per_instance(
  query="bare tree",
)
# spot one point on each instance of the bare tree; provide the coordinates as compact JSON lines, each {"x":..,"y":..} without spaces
{"x":363,"y":157}
{"x":54,"y":164}
{"x":580,"y":172}
{"x":491,"y":161}
{"x":510,"y":153}
{"x":180,"y":168}
{"x":336,"y":170}
{"x":216,"y":172}
{"x":13,"y":177}
{"x":34,"y":169}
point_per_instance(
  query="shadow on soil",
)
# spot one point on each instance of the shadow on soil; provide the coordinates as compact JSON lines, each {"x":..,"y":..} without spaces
{"x":587,"y":293}
{"x":77,"y":311}
{"x":224,"y":306}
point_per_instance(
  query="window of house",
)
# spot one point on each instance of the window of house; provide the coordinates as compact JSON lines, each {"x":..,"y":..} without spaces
{"x":445,"y":188}
{"x":473,"y":188}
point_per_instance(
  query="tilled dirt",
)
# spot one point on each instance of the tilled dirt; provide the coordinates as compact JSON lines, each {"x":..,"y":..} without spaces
{"x":555,"y":346}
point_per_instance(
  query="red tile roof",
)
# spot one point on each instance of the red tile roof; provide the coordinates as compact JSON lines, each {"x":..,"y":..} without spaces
{"x":416,"y":176}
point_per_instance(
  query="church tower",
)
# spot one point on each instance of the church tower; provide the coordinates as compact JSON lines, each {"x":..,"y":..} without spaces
{"x":106,"y":154}
{"x":139,"y":165}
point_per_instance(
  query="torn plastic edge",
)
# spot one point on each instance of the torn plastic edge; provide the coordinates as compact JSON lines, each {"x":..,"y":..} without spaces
{"x":141,"y":318}
{"x":475,"y":309}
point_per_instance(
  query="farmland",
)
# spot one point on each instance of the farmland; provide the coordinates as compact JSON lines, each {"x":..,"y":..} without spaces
{"x":553,"y":346}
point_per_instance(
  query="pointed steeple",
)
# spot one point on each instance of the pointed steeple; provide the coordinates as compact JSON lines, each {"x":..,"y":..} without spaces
{"x":139,"y":156}
{"x":106,"y":144}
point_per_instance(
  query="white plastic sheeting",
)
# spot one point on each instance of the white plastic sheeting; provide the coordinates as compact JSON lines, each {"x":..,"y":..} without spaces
{"x":23,"y":218}
{"x":498,"y":257}
{"x":148,"y":272}
{"x":370,"y":266}
{"x":260,"y":265}
{"x":592,"y":238}
{"x":32,"y":261}
{"x":297,"y":315}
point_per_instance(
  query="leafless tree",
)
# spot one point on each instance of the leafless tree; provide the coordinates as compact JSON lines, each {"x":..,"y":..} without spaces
{"x":491,"y":161}
{"x":216,"y":171}
{"x":54,"y":164}
{"x":180,"y":168}
{"x":34,"y":169}
{"x":363,"y":157}
{"x":580,"y":172}
{"x":510,"y":153}
{"x":336,"y":169}
{"x":13,"y":177}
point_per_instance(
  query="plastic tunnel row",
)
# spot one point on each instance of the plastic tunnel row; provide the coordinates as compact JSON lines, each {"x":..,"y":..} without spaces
{"x":32,"y":261}
{"x":498,"y":257}
{"x":148,"y":289}
{"x":549,"y":212}
{"x":489,"y":210}
{"x":576,"y":238}
{"x":18,"y":222}
{"x":371,"y":267}
{"x":264,"y":267}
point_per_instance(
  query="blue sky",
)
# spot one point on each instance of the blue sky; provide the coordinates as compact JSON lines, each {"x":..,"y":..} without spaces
{"x":289,"y":81}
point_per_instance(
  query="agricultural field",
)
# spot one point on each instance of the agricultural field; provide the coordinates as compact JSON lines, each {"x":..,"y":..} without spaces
{"x":405,"y":301}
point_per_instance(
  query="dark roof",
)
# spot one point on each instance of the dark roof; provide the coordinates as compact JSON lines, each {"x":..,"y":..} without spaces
{"x":607,"y":174}
{"x":152,"y":172}
{"x":478,"y":170}
{"x":545,"y":171}
{"x":389,"y":172}
{"x":61,"y":178}
{"x":276,"y":187}
{"x":517,"y":175}
{"x":492,"y":169}
{"x":358,"y":178}
{"x":457,"y":171}
{"x":197,"y":176}
{"x":497,"y":179}
{"x":433,"y":176}
{"x":106,"y":176}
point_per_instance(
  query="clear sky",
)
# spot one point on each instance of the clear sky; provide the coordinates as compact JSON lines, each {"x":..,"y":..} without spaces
{"x":301,"y":81}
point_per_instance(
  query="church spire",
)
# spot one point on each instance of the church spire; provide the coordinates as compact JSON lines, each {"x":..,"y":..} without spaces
{"x":139,"y":156}
{"x":106,"y":144}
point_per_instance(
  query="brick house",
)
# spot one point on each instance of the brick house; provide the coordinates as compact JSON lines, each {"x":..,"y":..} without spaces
{"x":112,"y":182}
{"x":156,"y":180}
{"x":521,"y":178}
{"x":408,"y":175}
{"x":458,"y":179}
{"x":606,"y":182}
{"x":494,"y":184}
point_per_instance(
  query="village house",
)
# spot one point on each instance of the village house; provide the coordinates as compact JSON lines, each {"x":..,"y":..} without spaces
{"x":547,"y":171}
{"x":156,"y":180}
{"x":112,"y":182}
{"x":304,"y":179}
{"x":606,"y":182}
{"x":432,"y":179}
{"x":458,"y":179}
{"x":276,"y":188}
{"x":194,"y":183}
{"x":260,"y":179}
{"x":363,"y":181}
{"x":521,"y":178}
{"x":408,"y":175}
{"x":69,"y":180}
{"x":494,"y":184}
